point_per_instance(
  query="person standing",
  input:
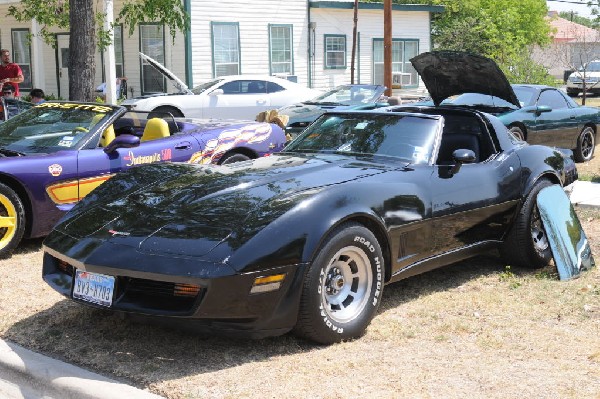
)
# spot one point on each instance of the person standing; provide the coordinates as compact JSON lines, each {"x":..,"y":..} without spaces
{"x":10,"y":72}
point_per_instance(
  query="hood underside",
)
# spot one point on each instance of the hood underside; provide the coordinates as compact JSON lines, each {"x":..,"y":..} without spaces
{"x":449,"y":73}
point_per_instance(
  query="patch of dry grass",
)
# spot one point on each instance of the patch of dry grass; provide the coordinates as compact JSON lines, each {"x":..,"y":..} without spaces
{"x":475,"y":329}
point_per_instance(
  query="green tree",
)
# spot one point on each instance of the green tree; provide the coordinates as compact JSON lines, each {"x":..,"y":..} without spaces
{"x":501,"y":30}
{"x":578,"y":19}
{"x":84,"y":19}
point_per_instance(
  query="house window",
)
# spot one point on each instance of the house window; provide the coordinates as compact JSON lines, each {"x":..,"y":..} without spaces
{"x":403,"y":73}
{"x":335,"y":51}
{"x":152,"y":43}
{"x":21,"y":55}
{"x":118,"y":44}
{"x":226,"y":49}
{"x":281,"y":49}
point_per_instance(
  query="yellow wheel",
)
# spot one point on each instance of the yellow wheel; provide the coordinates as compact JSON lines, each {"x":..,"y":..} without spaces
{"x":12,"y":220}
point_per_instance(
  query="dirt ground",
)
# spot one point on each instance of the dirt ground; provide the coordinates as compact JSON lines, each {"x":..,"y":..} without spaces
{"x":476,"y":329}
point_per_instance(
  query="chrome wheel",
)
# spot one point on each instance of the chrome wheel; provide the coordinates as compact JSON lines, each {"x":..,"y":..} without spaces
{"x":538,"y":234}
{"x":586,"y":144}
{"x":346,"y":284}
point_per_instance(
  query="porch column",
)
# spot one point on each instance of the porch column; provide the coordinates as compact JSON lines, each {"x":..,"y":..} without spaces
{"x":109,"y":56}
{"x":38,"y":77}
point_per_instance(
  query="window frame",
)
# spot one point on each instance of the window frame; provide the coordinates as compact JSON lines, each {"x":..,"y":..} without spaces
{"x":213,"y":38}
{"x":326,"y":52}
{"x":143,"y":89}
{"x":289,"y":50}
{"x":27,"y":84}
{"x":403,"y":62}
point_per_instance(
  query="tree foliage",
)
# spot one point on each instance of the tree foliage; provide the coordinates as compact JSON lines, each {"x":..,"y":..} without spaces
{"x":85,"y":21}
{"x":501,"y":30}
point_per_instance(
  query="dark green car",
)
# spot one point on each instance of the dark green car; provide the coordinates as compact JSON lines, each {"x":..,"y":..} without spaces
{"x":535,"y":113}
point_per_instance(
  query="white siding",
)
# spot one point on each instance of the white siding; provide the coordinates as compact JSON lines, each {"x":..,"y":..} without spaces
{"x":253,"y":19}
{"x":405,"y":25}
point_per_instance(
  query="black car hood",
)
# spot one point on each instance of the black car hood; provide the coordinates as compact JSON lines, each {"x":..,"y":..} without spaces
{"x":448,"y":73}
{"x":199,"y":207}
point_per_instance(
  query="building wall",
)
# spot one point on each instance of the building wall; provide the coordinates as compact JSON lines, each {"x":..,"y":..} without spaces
{"x":253,"y":25}
{"x":254,"y":34}
{"x":405,"y":25}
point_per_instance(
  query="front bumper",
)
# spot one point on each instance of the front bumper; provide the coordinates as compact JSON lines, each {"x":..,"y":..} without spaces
{"x":223,"y":303}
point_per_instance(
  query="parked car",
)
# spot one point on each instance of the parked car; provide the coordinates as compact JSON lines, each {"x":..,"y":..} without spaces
{"x":535,"y":113}
{"x":54,"y":154}
{"x":344,"y":97}
{"x":305,"y":239}
{"x":226,"y":97}
{"x":591,"y":73}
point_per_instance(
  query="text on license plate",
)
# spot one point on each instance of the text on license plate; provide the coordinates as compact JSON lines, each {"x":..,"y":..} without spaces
{"x":94,"y":287}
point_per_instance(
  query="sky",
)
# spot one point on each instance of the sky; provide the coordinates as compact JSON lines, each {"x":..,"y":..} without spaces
{"x":578,"y":6}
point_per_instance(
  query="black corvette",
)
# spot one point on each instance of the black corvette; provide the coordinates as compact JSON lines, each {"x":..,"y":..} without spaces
{"x":307,"y":239}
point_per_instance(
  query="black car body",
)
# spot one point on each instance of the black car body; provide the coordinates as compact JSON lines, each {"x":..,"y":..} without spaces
{"x":538,"y":114}
{"x":307,"y":238}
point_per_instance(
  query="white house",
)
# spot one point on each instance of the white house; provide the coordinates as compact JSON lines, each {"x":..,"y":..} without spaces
{"x":308,"y":41}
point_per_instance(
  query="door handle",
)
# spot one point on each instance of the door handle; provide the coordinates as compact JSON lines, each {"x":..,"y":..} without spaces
{"x":186,"y":145}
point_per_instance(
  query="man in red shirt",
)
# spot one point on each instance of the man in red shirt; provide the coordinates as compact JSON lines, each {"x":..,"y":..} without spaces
{"x":10,"y":72}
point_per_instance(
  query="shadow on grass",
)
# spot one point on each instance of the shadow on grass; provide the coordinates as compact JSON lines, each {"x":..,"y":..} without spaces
{"x":145,"y":353}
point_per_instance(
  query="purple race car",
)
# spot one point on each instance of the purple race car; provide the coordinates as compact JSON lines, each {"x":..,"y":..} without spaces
{"x":54,"y":154}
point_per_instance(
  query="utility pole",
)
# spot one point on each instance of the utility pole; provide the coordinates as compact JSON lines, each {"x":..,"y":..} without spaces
{"x":354,"y":35}
{"x":387,"y":46}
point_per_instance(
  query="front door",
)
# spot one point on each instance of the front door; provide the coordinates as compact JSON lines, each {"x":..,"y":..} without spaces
{"x":63,"y":65}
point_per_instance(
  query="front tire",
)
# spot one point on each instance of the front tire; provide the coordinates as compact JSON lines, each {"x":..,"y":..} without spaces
{"x":343,"y":286}
{"x":585,"y":145}
{"x":527,"y":243}
{"x":572,"y":93}
{"x":12,"y":220}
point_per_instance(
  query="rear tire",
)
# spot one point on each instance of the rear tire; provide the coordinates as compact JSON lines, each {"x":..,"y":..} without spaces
{"x":585,"y":145}
{"x":517,"y":132}
{"x":12,"y":220}
{"x":343,"y":286}
{"x":232,"y":158}
{"x":527,"y":243}
{"x":164,"y":111}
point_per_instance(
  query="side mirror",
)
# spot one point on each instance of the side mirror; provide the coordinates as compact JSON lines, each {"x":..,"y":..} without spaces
{"x":216,"y":92}
{"x":122,"y":141}
{"x":543,"y":108}
{"x":460,"y":157}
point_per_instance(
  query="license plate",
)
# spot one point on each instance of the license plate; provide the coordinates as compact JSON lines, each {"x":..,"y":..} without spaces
{"x":94,"y":287}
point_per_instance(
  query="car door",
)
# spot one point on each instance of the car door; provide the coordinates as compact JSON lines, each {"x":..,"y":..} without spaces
{"x":475,"y":203}
{"x":95,"y":166}
{"x":556,"y":127}
{"x":240,"y":99}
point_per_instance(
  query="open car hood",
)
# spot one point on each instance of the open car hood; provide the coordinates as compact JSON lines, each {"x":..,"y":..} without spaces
{"x":448,"y":73}
{"x":175,"y":81}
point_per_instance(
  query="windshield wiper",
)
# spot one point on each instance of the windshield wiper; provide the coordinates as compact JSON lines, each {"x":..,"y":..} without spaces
{"x":11,"y":153}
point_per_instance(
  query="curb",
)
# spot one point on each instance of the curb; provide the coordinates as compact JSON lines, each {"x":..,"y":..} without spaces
{"x":584,"y":194}
{"x":26,"y":374}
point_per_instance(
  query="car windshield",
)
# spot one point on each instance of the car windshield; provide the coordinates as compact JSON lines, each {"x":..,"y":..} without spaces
{"x":593,"y":66}
{"x":50,"y":127}
{"x":525,"y":95}
{"x":408,"y":137}
{"x":349,"y":95}
{"x":205,"y":86}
